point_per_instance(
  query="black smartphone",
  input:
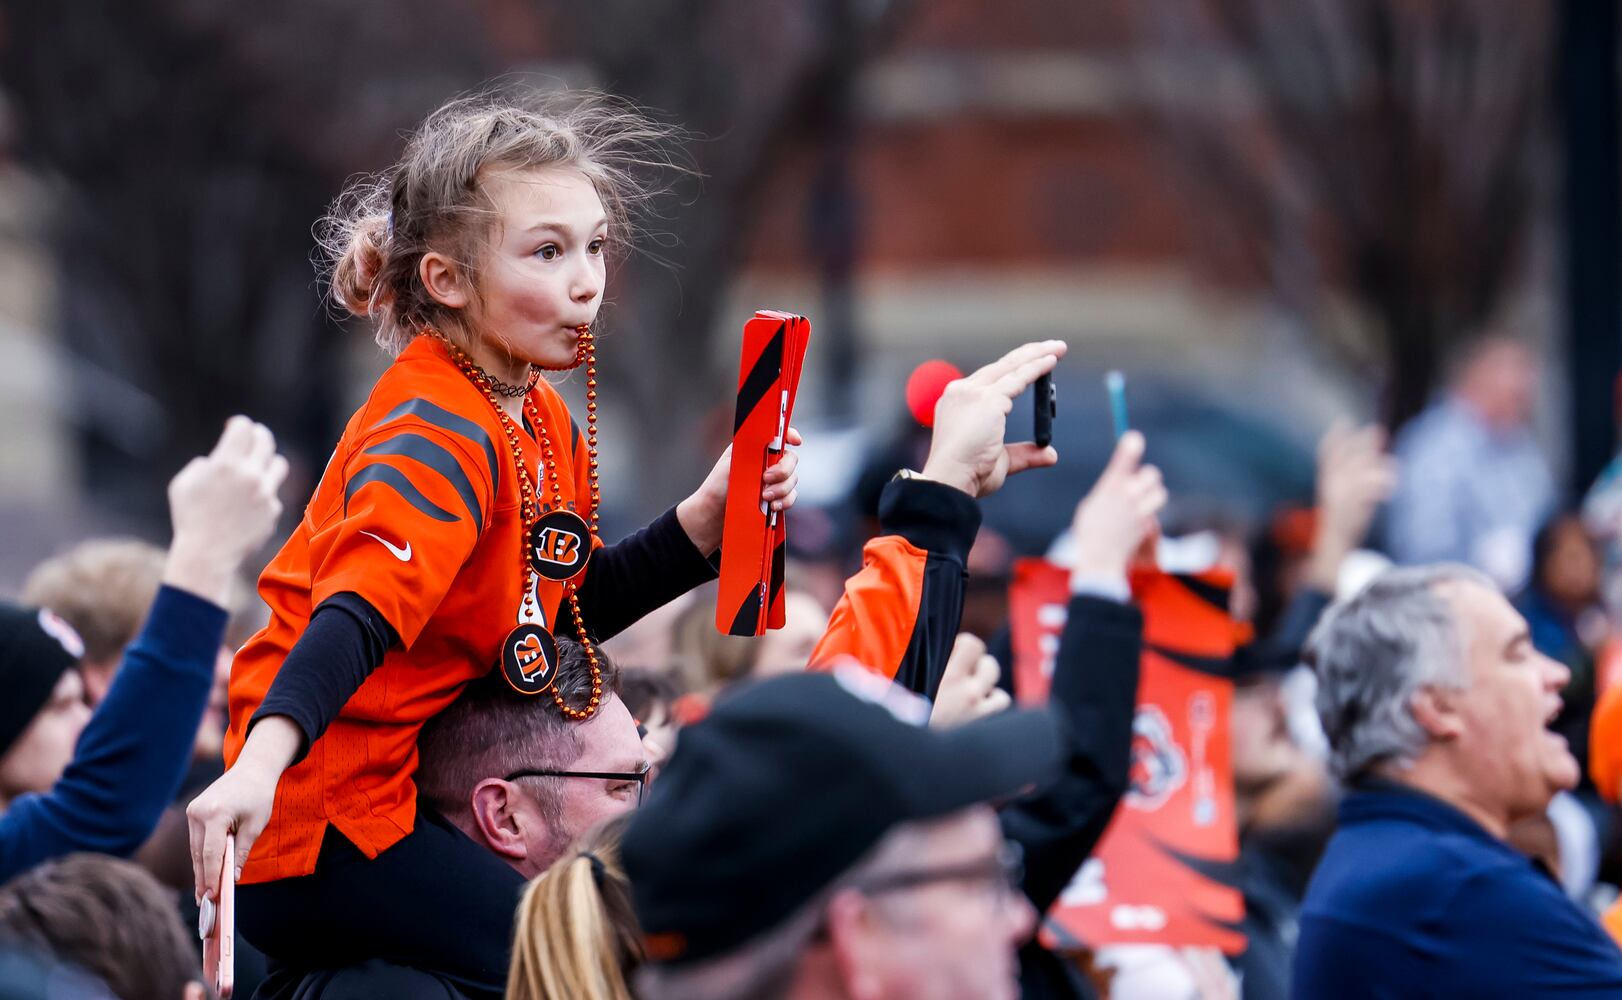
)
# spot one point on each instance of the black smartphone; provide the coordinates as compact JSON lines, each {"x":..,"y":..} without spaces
{"x":1046,"y":398}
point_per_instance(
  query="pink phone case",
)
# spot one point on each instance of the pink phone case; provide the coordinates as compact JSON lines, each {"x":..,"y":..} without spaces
{"x":218,"y":926}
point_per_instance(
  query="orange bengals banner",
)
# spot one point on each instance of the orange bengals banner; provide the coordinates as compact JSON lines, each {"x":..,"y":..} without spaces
{"x":1156,"y":876}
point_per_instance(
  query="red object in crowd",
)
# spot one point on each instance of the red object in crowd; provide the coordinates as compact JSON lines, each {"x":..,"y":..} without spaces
{"x":689,"y":708}
{"x":1294,"y":529}
{"x":1148,"y":881}
{"x":924,"y":388}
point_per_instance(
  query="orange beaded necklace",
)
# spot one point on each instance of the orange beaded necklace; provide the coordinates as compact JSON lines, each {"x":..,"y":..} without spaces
{"x":557,"y":544}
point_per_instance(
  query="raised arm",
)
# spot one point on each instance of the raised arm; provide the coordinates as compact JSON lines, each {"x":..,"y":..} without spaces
{"x":133,"y":754}
{"x":900,"y":613}
{"x":1095,"y":679}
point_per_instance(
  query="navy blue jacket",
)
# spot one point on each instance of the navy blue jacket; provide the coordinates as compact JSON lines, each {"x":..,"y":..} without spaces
{"x":134,"y":752}
{"x":1415,"y":899}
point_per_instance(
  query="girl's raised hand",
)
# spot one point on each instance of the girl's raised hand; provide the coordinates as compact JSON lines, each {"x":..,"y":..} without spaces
{"x":703,"y":515}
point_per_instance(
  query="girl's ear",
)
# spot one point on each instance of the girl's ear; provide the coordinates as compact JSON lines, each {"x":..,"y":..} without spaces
{"x":443,"y":279}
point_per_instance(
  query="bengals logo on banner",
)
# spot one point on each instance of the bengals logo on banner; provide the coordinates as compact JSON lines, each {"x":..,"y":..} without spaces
{"x":1156,"y":876}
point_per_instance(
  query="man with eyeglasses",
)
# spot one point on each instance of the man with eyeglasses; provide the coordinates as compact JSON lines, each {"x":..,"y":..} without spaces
{"x":516,"y":777}
{"x":813,"y":837}
{"x":523,"y":781}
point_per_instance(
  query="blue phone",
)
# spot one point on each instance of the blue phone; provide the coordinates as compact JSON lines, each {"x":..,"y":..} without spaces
{"x":1115,"y":383}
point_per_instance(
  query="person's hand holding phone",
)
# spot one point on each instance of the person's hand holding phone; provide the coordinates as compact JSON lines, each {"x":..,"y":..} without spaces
{"x":1045,"y":400}
{"x":966,"y":450}
{"x":216,"y":924}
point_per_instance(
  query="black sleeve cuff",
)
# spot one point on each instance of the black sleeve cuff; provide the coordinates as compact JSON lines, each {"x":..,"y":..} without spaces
{"x":379,"y":633}
{"x":933,"y":516}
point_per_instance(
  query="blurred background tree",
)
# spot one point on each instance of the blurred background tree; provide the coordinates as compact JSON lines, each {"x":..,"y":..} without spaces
{"x":194,"y":144}
{"x":1391,"y":152}
{"x":1266,"y":212}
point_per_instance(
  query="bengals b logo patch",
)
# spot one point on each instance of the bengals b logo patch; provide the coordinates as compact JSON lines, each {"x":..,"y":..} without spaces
{"x":529,"y":659}
{"x":559,"y":545}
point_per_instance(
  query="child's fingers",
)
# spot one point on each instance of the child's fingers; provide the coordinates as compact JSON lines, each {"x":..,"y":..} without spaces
{"x":194,"y":832}
{"x":782,"y":469}
{"x":213,"y":856}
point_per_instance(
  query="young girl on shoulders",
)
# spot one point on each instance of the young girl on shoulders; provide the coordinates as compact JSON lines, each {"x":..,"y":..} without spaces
{"x":454,"y":532}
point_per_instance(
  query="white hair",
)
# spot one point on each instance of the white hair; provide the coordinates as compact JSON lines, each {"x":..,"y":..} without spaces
{"x":1374,"y":651}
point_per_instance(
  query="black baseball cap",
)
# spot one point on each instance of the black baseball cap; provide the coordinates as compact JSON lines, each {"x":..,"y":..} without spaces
{"x":36,"y":649}
{"x":788,"y":783}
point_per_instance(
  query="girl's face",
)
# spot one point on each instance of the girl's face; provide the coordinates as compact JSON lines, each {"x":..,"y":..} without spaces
{"x":542,"y":277}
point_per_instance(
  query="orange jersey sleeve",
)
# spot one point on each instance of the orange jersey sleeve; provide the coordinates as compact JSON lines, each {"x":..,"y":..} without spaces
{"x":899,"y":614}
{"x":417,"y":492}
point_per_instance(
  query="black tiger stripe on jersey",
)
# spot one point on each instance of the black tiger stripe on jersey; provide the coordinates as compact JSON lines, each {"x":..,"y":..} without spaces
{"x":456,"y":424}
{"x":396,"y":480}
{"x":435,"y":456}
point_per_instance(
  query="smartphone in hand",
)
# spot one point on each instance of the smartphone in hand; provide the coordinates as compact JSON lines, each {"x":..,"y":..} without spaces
{"x":1046,"y":398}
{"x":216,"y":925}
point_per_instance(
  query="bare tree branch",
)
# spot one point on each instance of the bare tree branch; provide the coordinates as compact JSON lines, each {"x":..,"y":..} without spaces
{"x":1399,"y":141}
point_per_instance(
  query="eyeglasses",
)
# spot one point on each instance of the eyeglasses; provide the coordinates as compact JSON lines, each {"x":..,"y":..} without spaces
{"x":639,"y":777}
{"x":1005,"y":872}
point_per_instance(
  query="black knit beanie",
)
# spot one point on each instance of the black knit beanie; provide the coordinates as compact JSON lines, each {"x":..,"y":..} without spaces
{"x":36,"y":649}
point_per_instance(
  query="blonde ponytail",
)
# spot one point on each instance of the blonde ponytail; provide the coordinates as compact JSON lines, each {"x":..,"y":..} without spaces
{"x":577,"y":934}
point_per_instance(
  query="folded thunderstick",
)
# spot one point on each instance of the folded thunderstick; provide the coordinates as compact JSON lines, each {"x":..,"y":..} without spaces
{"x":754,"y":537}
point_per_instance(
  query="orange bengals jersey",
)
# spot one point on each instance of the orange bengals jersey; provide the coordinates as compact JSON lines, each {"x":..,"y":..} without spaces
{"x":418,"y":513}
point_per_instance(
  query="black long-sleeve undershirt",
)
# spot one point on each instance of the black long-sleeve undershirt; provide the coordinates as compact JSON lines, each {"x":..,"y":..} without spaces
{"x":641,"y":572}
{"x":342,"y":645}
{"x":347,"y":638}
{"x":1095,"y":688}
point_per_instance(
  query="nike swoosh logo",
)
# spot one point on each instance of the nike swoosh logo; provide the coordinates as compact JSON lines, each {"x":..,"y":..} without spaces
{"x":404,"y":555}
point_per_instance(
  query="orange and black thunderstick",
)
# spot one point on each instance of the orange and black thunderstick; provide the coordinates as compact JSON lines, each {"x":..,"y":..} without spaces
{"x":754,"y":538}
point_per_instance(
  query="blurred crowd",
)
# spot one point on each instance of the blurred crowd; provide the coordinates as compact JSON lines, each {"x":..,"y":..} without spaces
{"x":1425,"y":752}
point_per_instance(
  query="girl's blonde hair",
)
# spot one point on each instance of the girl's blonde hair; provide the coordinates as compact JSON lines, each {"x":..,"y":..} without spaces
{"x":379,"y":228}
{"x":577,"y":933}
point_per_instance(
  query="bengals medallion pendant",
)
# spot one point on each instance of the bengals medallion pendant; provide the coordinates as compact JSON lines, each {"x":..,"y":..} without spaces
{"x":559,"y":545}
{"x":529,"y":659}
